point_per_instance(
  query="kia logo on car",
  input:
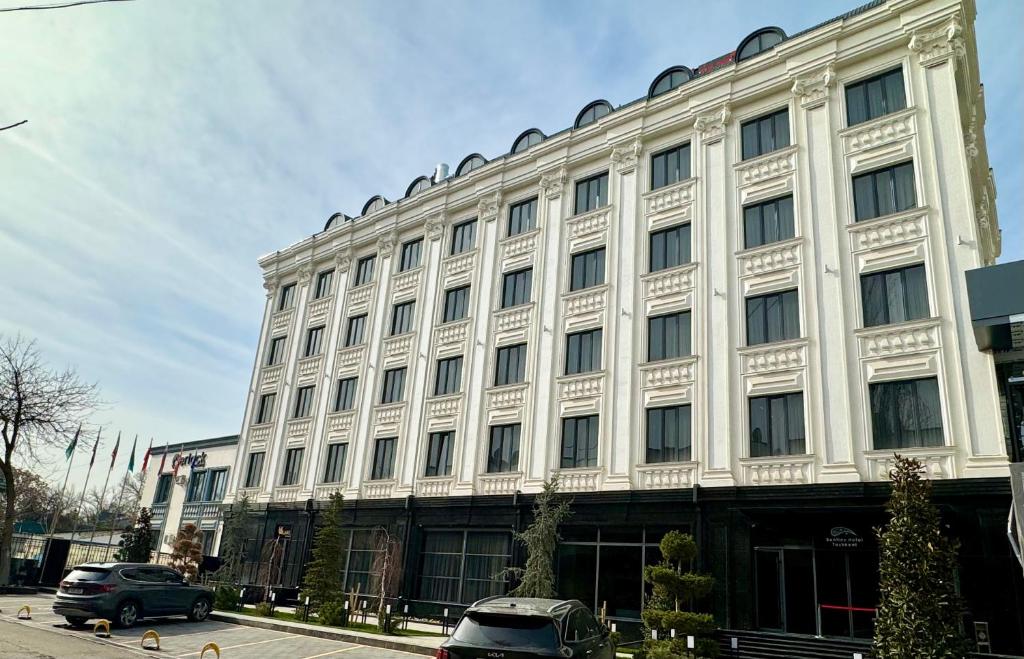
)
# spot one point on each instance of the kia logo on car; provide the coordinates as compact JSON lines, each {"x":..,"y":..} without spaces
{"x":496,"y":655}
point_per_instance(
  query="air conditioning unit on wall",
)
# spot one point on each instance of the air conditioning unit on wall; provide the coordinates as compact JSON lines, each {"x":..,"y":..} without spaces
{"x":180,"y":480}
{"x":169,"y":538}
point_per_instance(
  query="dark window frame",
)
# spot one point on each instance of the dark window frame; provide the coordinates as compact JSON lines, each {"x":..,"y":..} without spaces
{"x":356,"y":324}
{"x":660,"y":254}
{"x":292,"y":470}
{"x":877,"y":180}
{"x":659,"y":327}
{"x":314,"y":341}
{"x":345,"y":393}
{"x":508,"y":437}
{"x":407,"y":260}
{"x":304,"y":401}
{"x":761,"y":213}
{"x":921,"y":436}
{"x":587,"y":269}
{"x":664,"y":168}
{"x":440,"y":447}
{"x":364,"y":270}
{"x":584,"y":351}
{"x":792,"y":437}
{"x":766,"y":123}
{"x":275,"y":356}
{"x":254,"y":468}
{"x":878,"y":307}
{"x":516,"y":288}
{"x":448,"y":376}
{"x":393,"y":385}
{"x":517,"y":224}
{"x":265,"y":407}
{"x":858,"y":96}
{"x":456,"y":300}
{"x":383,"y":466}
{"x":334,"y":463}
{"x":403,"y":318}
{"x":657,"y":434}
{"x":761,"y":319}
{"x":463,"y":237}
{"x":577,"y":456}
{"x":596,"y":184}
{"x":324,"y":283}
{"x":503,"y":364}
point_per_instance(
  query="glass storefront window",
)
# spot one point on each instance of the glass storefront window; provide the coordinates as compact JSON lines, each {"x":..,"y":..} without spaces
{"x":463,"y":566}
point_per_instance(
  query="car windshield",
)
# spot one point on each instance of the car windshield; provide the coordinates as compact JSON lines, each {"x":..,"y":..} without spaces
{"x":515,"y":631}
{"x":88,"y":574}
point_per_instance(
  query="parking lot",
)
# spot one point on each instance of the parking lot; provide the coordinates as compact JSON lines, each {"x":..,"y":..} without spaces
{"x":181,"y":638}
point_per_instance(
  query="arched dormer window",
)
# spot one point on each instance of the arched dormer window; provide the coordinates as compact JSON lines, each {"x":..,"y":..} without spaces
{"x":336,"y":219}
{"x":592,"y":113}
{"x":469,"y":163}
{"x":761,"y":40}
{"x":527,"y":139}
{"x":668,"y":80}
{"x":420,"y":184}
{"x":375,"y":203}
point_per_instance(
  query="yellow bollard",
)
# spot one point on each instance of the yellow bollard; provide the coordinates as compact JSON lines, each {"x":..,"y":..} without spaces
{"x":210,"y":646}
{"x":150,"y":634}
{"x":105,"y":624}
{"x":27,"y":610}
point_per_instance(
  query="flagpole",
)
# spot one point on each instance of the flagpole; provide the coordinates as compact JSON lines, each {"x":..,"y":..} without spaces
{"x":60,"y":499}
{"x":103,"y":493}
{"x":85,"y":488}
{"x":120,"y":497}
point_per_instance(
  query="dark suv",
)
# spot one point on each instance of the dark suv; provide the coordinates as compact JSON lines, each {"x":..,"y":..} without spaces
{"x":518,"y":627}
{"x":125,"y":592}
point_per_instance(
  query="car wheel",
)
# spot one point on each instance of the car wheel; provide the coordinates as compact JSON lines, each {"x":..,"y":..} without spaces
{"x":76,"y":621}
{"x":127,"y":614}
{"x":200,"y":609}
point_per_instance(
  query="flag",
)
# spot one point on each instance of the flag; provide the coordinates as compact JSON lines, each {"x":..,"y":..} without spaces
{"x":113,"y":454}
{"x":145,"y":458}
{"x":131,"y":460}
{"x":94,"y":447}
{"x":163,"y":460}
{"x":177,"y":461}
{"x":70,"y":450}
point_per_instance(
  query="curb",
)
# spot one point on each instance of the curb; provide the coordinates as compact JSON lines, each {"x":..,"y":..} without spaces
{"x":330,"y":634}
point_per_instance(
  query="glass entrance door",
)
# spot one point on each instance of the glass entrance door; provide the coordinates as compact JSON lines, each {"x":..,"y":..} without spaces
{"x":785,"y":589}
{"x":770,"y":592}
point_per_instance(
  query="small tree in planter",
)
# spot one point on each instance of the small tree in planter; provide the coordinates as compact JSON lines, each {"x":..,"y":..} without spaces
{"x":387,"y":564}
{"x":323,"y":579}
{"x":675,"y":593}
{"x":187,"y":551}
{"x":919,"y":609}
{"x":136,"y":540}
{"x":541,"y":539}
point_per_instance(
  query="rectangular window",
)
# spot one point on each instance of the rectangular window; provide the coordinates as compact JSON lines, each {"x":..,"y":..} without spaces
{"x":906,"y":414}
{"x":292,"y":465}
{"x":354,"y":331}
{"x":266,"y":408}
{"x":522,"y":217}
{"x":765,"y":134}
{"x":463,"y":566}
{"x":884,"y":191}
{"x":303,"y":402}
{"x":592,"y":193}
{"x":464,"y":236}
{"x":439,"y":453}
{"x":411,"y":252}
{"x":254,"y":471}
{"x":503,"y":449}
{"x":670,"y":166}
{"x":516,"y":287}
{"x":394,"y":385}
{"x":345,"y":397}
{"x":336,"y":454}
{"x":402,"y":317}
{"x":449,"y":376}
{"x":768,"y":222}
{"x":583,"y":352}
{"x":894,"y":296}
{"x":511,"y":368}
{"x":383,"y":459}
{"x":216,"y":483}
{"x":668,"y":336}
{"x":163,"y":488}
{"x":579,"y":441}
{"x":323,"y":284}
{"x":287,"y":299}
{"x":777,"y":425}
{"x":670,"y":247}
{"x":773,"y":317}
{"x":587,"y":269}
{"x":364,"y":269}
{"x":314,"y":340}
{"x":668,"y":434}
{"x":275,"y":355}
{"x":196,"y":486}
{"x":456,"y":304}
{"x":875,"y":97}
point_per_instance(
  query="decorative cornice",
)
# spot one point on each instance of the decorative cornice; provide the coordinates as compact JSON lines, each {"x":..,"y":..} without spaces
{"x":487,"y":208}
{"x":626,"y":155}
{"x":937,"y":46}
{"x":553,"y":182}
{"x":813,"y":90}
{"x":712,"y":126}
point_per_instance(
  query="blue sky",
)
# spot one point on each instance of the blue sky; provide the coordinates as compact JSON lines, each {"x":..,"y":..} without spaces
{"x":171,"y":143}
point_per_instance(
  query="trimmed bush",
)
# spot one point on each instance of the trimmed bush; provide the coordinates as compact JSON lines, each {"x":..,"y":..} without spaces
{"x":332,"y":613}
{"x":263,"y":609}
{"x":226,"y":598}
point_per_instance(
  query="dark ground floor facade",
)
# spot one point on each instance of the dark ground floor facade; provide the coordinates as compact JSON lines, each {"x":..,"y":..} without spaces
{"x":794,"y":559}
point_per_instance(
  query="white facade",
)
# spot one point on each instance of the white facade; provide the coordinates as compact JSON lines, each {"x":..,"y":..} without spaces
{"x":170,"y":504}
{"x":953,"y":228}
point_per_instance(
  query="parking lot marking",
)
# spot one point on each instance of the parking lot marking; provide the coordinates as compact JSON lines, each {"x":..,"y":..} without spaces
{"x":327,"y":654}
{"x":242,"y":645}
{"x":206,"y":632}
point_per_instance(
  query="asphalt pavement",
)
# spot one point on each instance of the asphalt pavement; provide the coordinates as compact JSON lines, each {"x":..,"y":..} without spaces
{"x":48,"y":635}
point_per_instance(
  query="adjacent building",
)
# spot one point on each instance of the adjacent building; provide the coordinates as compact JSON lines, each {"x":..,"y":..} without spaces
{"x":721,"y":308}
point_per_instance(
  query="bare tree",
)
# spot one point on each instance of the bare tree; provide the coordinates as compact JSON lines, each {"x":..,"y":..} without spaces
{"x":39,"y":408}
{"x":387,"y":563}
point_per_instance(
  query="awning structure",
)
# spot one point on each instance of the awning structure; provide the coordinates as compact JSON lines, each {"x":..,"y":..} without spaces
{"x":996,"y":295}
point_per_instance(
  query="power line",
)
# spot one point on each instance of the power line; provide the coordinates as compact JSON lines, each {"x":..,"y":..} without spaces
{"x":23,"y":121}
{"x":61,"y":6}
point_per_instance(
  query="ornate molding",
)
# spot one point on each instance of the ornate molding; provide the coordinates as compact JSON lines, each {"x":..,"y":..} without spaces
{"x":488,"y":207}
{"x":663,"y":476}
{"x":900,"y":339}
{"x":386,"y":243}
{"x":885,"y":130}
{"x":271,"y":286}
{"x":625,"y":156}
{"x":304,"y":274}
{"x":435,"y":225}
{"x":553,"y":182}
{"x":343,"y":259}
{"x":813,"y":90}
{"x":770,"y":166}
{"x":712,"y":126}
{"x":937,"y":46}
{"x":890,"y":230}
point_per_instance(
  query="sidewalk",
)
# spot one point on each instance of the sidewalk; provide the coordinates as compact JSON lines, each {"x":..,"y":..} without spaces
{"x":423,"y":645}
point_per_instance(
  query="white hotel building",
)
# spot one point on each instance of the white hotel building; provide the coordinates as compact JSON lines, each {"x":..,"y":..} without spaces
{"x":721,"y":307}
